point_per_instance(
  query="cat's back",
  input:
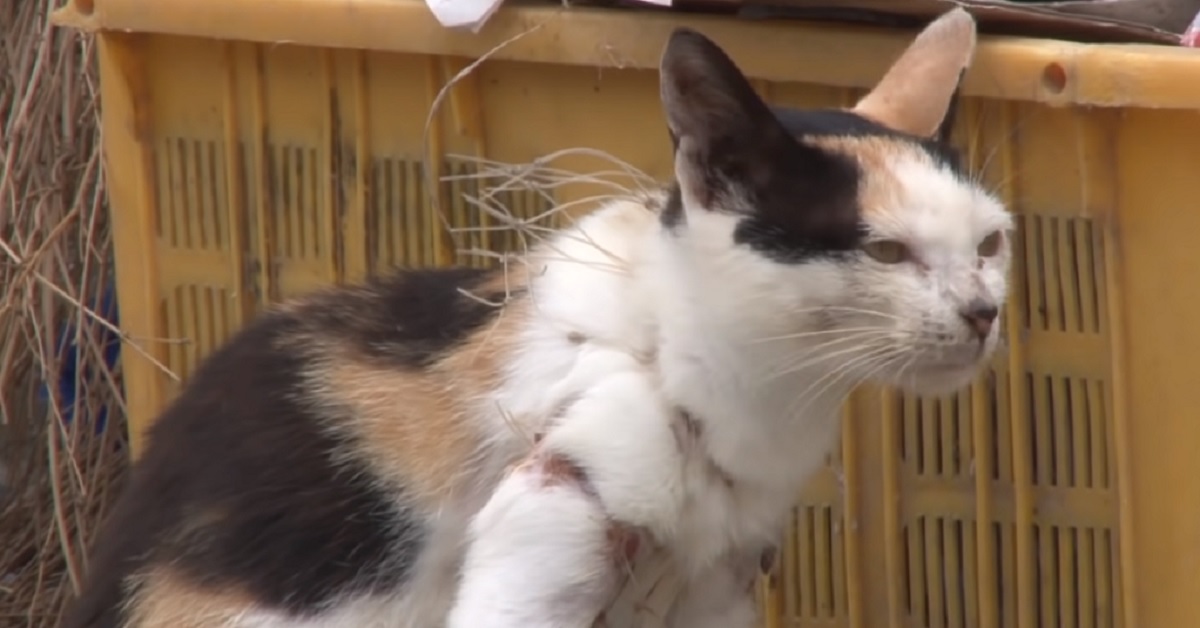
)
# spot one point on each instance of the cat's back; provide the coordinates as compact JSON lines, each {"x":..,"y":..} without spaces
{"x":301,"y":467}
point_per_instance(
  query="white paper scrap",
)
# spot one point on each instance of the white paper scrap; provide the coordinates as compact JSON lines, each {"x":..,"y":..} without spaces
{"x":469,"y":14}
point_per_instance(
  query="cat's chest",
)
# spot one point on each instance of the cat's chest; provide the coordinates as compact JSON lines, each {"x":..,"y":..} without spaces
{"x":721,"y":513}
{"x":742,"y":504}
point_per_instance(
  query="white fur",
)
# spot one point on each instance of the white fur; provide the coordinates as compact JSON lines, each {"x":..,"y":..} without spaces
{"x":943,"y":220}
{"x":720,"y":597}
{"x":762,"y":354}
{"x":364,"y":612}
{"x":639,"y":474}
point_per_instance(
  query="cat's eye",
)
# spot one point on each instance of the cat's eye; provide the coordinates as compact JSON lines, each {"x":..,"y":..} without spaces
{"x":990,"y":245}
{"x":887,"y":251}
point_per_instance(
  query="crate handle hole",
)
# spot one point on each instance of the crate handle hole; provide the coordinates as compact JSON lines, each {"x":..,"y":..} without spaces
{"x":1054,"y":78}
{"x":85,"y":7}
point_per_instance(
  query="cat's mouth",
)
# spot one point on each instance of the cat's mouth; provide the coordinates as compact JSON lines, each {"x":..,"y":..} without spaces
{"x":937,"y":377}
{"x":944,"y":372}
{"x":958,"y":357}
{"x":968,"y":357}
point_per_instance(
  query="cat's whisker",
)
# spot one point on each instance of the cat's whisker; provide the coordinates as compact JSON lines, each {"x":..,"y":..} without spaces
{"x":830,"y":310}
{"x":819,"y":332}
{"x":827,"y":356}
{"x":868,"y":367}
{"x":981,"y":172}
{"x":998,"y":186}
{"x":807,"y":397}
{"x":894,"y":337}
{"x":855,"y":310}
{"x":912,"y":361}
{"x":870,"y":372}
{"x":802,"y":361}
{"x":792,"y":358}
{"x":902,"y":371}
{"x":809,"y":366}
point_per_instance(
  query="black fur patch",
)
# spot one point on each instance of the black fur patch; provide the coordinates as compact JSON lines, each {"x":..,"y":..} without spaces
{"x":736,"y":154}
{"x":814,"y":212}
{"x":412,"y":317}
{"x":237,"y":487}
{"x":841,"y":123}
{"x":672,"y":214}
{"x":808,"y":208}
{"x":804,"y":199}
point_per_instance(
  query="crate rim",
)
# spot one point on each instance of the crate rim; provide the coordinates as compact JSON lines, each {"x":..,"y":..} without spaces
{"x":1054,"y":72}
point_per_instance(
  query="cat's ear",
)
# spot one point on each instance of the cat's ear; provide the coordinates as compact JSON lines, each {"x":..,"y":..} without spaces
{"x":718,"y":124}
{"x":917,"y":93}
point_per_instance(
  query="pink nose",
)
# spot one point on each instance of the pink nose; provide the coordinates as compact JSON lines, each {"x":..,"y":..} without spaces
{"x":979,"y":316}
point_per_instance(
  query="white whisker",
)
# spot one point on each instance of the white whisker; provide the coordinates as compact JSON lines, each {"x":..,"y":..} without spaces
{"x":807,"y":396}
{"x":793,"y":361}
{"x":821,"y":332}
{"x":801,"y":361}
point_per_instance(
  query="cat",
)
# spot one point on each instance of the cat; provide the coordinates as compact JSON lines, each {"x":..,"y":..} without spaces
{"x":491,"y":448}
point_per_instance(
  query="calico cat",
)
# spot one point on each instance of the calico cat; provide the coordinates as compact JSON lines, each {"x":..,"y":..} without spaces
{"x":491,"y":448}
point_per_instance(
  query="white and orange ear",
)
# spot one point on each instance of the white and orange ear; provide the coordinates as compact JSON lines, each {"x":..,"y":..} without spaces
{"x":915,"y":95}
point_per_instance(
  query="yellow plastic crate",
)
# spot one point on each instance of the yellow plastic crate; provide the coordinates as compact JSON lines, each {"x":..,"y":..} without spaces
{"x":258,"y":149}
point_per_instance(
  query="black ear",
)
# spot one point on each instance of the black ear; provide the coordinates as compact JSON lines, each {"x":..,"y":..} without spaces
{"x":732,"y":154}
{"x":721,"y":129}
{"x":703,"y":92}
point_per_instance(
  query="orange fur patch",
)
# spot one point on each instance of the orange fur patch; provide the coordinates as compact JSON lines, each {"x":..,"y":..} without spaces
{"x":878,"y":188}
{"x":163,"y":598}
{"x":914,"y":94}
{"x":414,"y":428}
{"x":408,"y":430}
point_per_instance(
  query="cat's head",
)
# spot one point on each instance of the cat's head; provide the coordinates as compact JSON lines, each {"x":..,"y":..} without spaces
{"x":852,"y":235}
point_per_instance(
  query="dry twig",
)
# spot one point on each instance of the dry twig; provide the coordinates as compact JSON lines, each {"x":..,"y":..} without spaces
{"x":57,"y":378}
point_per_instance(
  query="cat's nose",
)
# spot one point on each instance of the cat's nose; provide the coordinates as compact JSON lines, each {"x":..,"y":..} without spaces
{"x":979,"y":316}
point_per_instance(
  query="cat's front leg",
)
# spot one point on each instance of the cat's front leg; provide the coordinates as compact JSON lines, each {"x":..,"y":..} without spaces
{"x":549,"y":548}
{"x":723,"y":596}
{"x":540,"y":554}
